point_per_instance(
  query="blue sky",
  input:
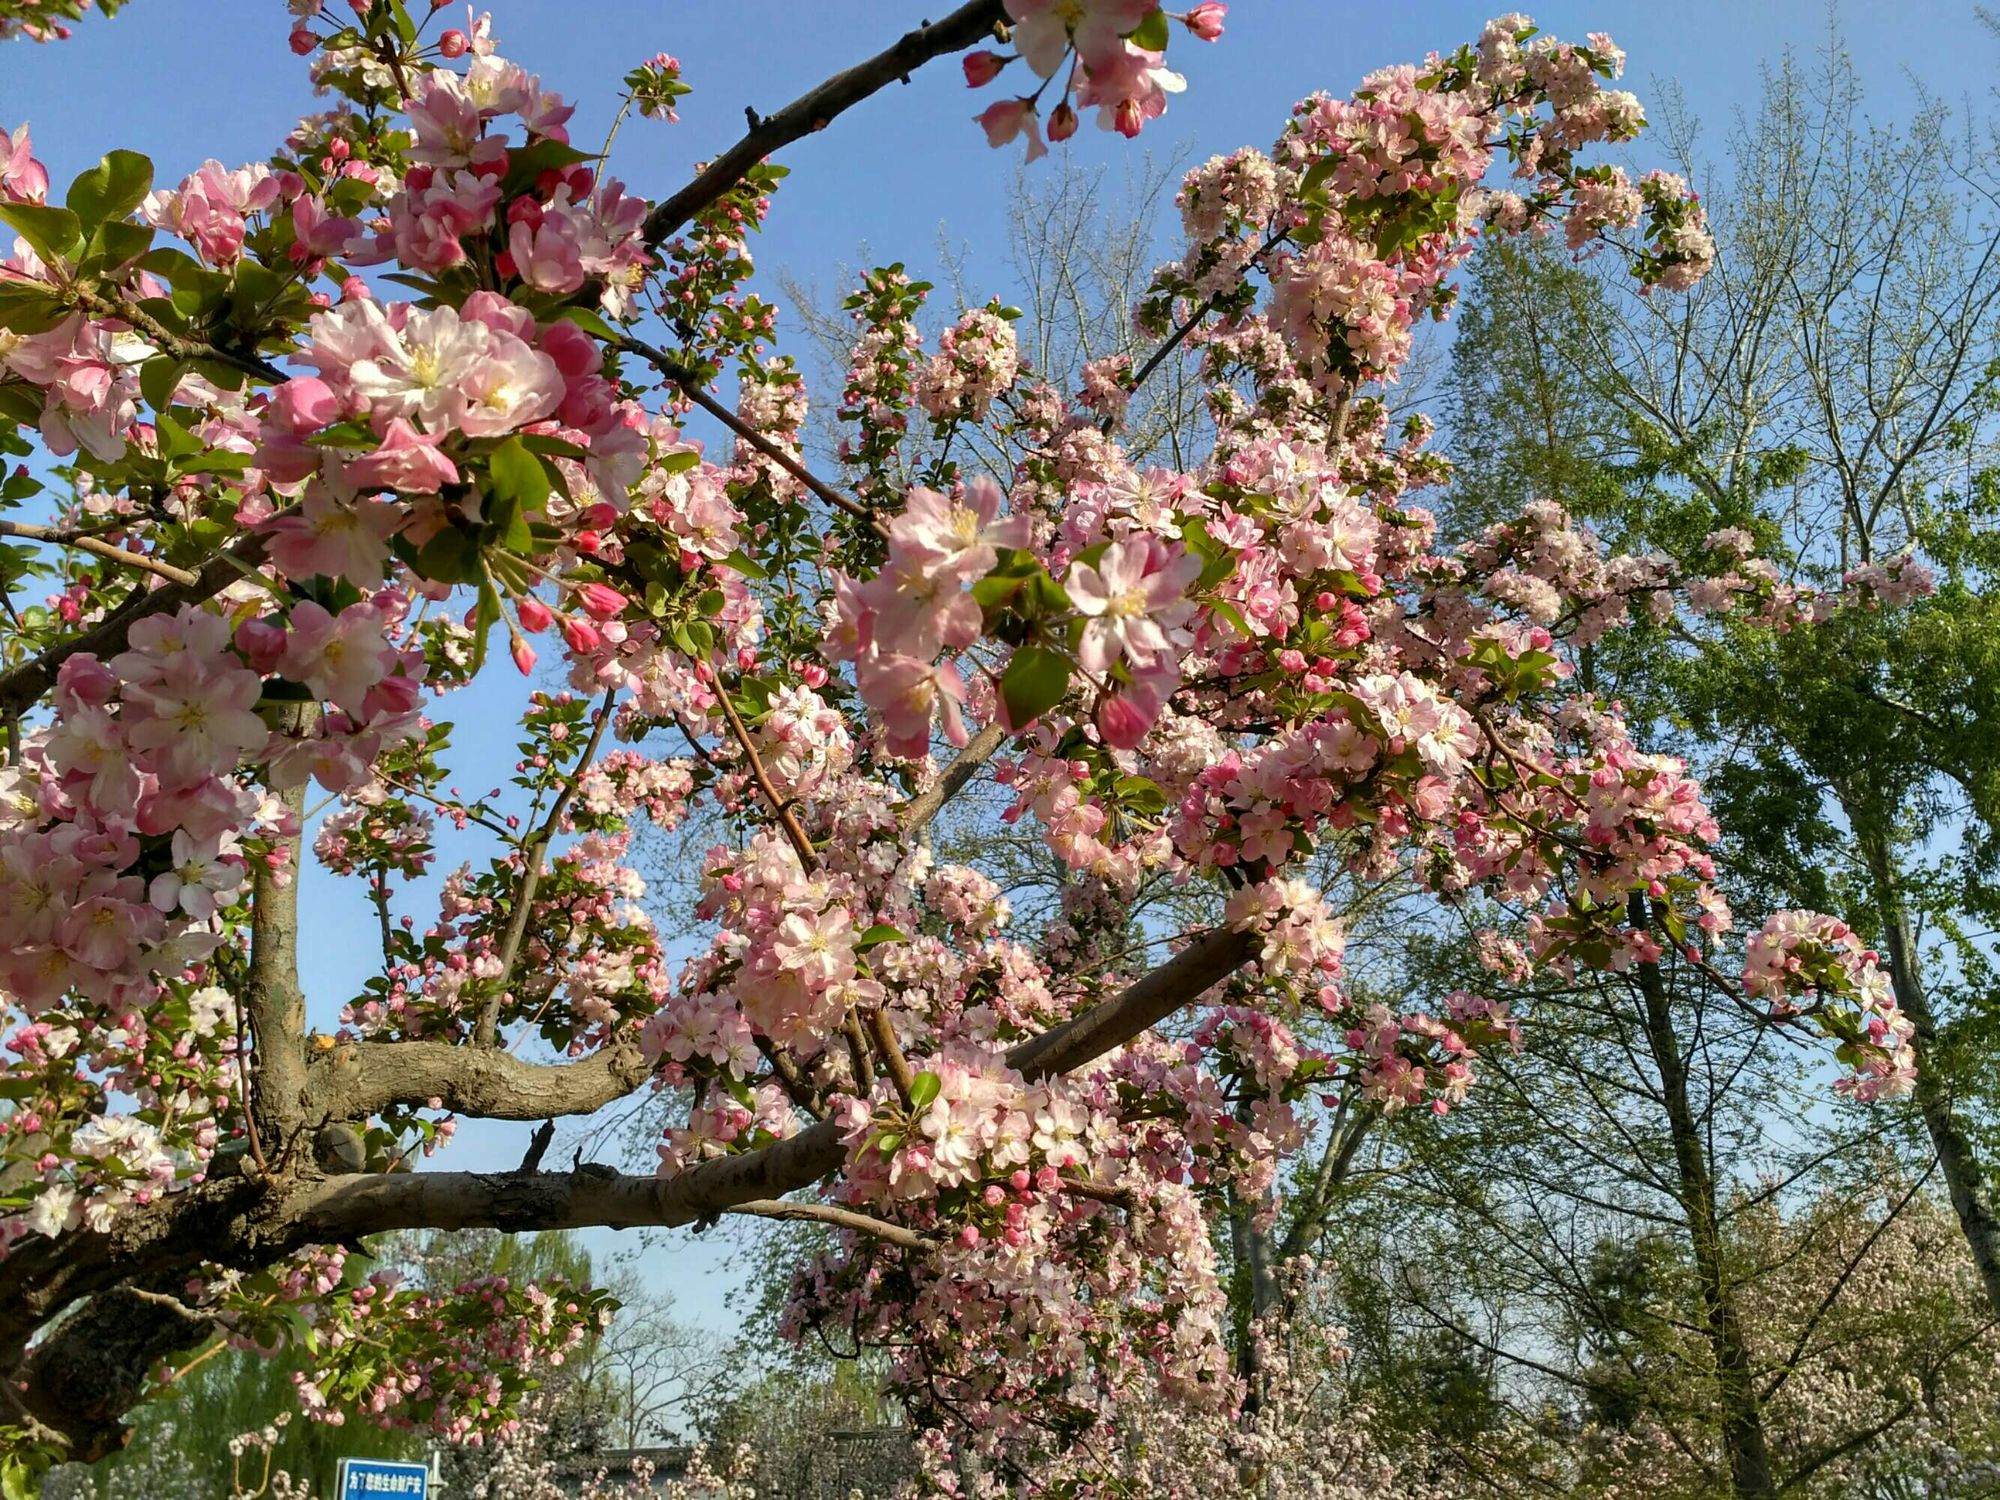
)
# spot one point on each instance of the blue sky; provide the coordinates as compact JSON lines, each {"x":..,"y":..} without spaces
{"x":184,"y":80}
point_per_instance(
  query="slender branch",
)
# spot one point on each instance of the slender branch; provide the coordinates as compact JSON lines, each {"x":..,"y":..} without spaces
{"x":488,"y":1026}
{"x":21,"y":686}
{"x":838,"y":1218}
{"x":689,"y":384}
{"x":169,"y":342}
{"x":96,"y":548}
{"x":884,"y":1033}
{"x":815,"y":110}
{"x":780,"y":808}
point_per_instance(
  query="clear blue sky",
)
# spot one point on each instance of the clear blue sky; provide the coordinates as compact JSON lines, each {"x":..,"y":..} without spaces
{"x":184,"y":80}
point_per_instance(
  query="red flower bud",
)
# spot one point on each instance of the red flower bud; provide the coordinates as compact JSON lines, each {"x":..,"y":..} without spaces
{"x":981,"y":68}
{"x":534,"y":614}
{"x":454,"y":43}
{"x":1063,"y":122}
{"x":600,"y":601}
{"x":581,"y":636}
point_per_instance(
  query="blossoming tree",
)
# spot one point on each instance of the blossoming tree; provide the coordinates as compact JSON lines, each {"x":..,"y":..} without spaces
{"x":309,"y":434}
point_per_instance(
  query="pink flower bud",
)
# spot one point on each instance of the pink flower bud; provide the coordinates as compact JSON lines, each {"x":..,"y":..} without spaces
{"x":454,"y":43}
{"x":1205,"y":20}
{"x":600,"y":601}
{"x":1063,"y":122}
{"x":1122,"y":722}
{"x":302,"y":40}
{"x":534,"y":614}
{"x":981,"y":68}
{"x":524,"y":654}
{"x":581,"y":636}
{"x":969,"y":1237}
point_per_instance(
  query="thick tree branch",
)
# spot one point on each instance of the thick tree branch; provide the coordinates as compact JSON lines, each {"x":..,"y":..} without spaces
{"x":353,"y":1082}
{"x":273,"y":1002}
{"x":241,"y":1223}
{"x":601,"y":1196}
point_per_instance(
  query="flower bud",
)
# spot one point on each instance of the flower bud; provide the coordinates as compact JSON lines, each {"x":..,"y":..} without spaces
{"x":1205,"y":20}
{"x":981,"y":68}
{"x":600,"y":601}
{"x":454,"y":43}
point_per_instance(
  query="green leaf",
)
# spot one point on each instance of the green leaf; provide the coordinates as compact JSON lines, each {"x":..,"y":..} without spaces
{"x":517,"y":487}
{"x":158,"y":378}
{"x":449,"y":557}
{"x":924,"y":1090}
{"x":878,"y":934}
{"x":1152,"y":34}
{"x":27,"y":307}
{"x":111,"y":189}
{"x":1034,"y":683}
{"x":55,"y":233}
{"x":117,"y":243}
{"x":678,"y":463}
{"x":741,"y":562}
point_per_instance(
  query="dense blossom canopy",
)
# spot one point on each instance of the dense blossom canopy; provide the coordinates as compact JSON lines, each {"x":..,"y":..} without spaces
{"x":330,"y":424}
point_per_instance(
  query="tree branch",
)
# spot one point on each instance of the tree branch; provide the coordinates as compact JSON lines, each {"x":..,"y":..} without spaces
{"x":23,"y":685}
{"x":815,"y":110}
{"x":58,"y":538}
{"x":273,"y":1003}
{"x":488,"y":1025}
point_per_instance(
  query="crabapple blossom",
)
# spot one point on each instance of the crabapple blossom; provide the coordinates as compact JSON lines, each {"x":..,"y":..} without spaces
{"x":313,"y":498}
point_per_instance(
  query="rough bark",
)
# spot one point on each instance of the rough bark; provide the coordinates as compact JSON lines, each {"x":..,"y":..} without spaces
{"x":273,"y":1002}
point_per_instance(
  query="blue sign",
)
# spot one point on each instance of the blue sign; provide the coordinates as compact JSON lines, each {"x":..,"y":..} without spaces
{"x":379,"y":1479}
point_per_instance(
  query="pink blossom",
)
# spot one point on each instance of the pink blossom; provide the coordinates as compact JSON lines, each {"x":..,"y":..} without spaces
{"x":1009,"y":118}
{"x":407,"y":460}
{"x":1134,"y":599}
{"x":333,"y":538}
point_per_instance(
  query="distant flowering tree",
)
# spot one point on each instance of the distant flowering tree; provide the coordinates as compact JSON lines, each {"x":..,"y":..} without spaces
{"x":291,"y":512}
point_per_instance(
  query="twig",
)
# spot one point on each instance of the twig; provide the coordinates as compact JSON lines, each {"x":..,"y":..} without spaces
{"x":783,"y":809}
{"x":689,"y":384}
{"x":531,"y":876}
{"x":169,"y":342}
{"x":838,"y":1218}
{"x":538,"y":1146}
{"x":90,"y":544}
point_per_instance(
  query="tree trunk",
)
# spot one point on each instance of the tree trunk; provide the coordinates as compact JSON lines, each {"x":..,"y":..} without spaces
{"x":1965,"y":1178}
{"x":1742,"y":1414}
